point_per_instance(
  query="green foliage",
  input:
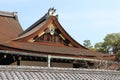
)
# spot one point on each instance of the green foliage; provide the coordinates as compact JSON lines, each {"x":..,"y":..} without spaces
{"x":87,"y":44}
{"x":111,"y":44}
{"x":99,"y":47}
{"x":118,"y":56}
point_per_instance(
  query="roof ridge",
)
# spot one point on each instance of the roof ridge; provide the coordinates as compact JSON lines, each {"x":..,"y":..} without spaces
{"x":49,"y":69}
{"x":51,"y":12}
{"x":9,"y":14}
{"x":36,"y":23}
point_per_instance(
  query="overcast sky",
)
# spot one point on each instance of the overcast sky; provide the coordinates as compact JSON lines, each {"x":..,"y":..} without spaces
{"x":82,"y":19}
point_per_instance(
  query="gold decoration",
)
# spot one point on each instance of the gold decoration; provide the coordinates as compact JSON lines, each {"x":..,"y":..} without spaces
{"x":31,"y":40}
{"x":52,"y":29}
{"x":62,"y":37}
{"x":41,"y":34}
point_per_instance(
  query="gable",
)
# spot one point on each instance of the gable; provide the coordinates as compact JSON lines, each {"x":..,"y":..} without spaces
{"x":48,"y":30}
{"x":51,"y":35}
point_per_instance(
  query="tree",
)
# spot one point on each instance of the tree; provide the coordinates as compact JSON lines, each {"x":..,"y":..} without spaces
{"x":112,"y":42}
{"x":99,"y":47}
{"x":118,"y":56}
{"x":87,"y":44}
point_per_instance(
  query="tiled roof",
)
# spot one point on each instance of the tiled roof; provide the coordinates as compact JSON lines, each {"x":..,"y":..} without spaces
{"x":44,"y":73}
{"x":9,"y":26}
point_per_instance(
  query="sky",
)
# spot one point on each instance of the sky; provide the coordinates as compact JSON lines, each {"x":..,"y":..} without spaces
{"x":82,"y":19}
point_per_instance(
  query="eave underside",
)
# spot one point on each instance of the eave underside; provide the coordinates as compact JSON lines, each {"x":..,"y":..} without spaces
{"x":83,"y":58}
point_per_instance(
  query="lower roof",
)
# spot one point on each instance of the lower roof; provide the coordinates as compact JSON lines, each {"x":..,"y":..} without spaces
{"x":45,"y":73}
{"x":55,"y":50}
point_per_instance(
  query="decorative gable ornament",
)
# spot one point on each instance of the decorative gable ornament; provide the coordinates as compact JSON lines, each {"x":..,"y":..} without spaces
{"x":52,"y":29}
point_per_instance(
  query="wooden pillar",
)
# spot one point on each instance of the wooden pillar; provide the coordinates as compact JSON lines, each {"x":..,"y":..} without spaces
{"x":49,"y":61}
{"x":106,"y":64}
{"x":18,"y":61}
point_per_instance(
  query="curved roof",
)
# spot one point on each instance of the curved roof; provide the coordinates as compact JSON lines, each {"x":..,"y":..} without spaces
{"x":45,"y":73}
{"x":43,"y":23}
{"x":10,"y":28}
{"x":54,"y":50}
{"x":15,"y":30}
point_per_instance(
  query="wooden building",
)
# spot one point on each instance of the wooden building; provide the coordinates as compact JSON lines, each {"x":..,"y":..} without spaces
{"x":45,"y":43}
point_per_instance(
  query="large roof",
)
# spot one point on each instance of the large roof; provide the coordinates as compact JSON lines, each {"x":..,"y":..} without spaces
{"x":9,"y":26}
{"x":24,"y":41}
{"x":51,"y":49}
{"x":45,"y":73}
{"x":42,"y":24}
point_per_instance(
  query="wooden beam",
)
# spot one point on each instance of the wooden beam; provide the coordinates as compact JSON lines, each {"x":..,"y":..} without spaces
{"x":18,"y":60}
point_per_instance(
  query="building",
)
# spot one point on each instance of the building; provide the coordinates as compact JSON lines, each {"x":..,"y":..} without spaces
{"x":46,"y":44}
